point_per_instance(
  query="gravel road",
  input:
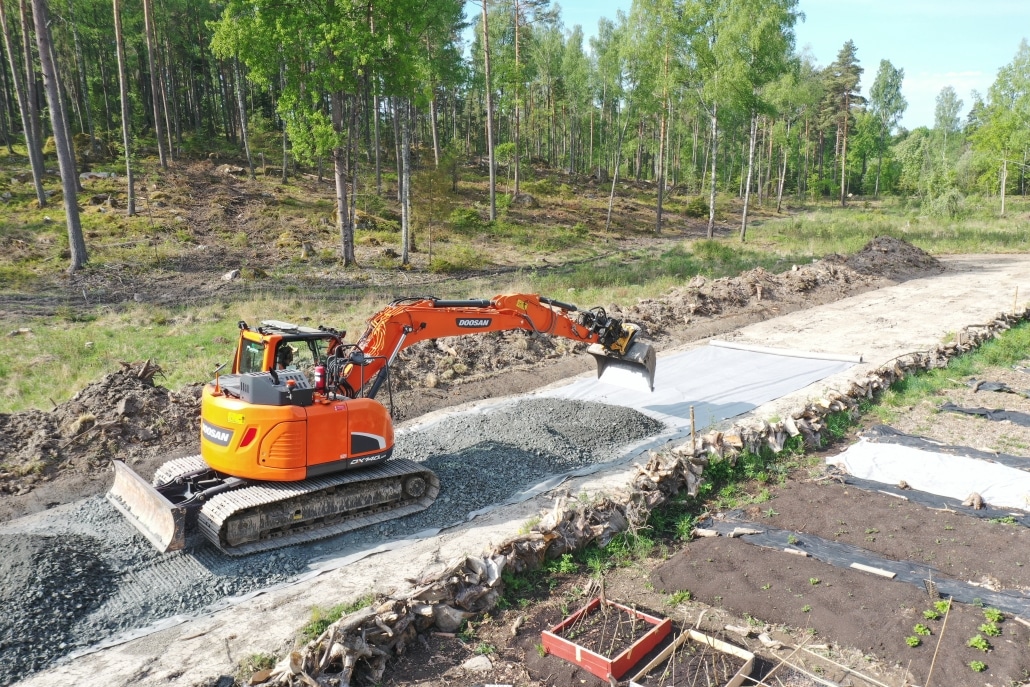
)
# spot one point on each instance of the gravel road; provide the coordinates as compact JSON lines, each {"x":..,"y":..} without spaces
{"x":77,"y":574}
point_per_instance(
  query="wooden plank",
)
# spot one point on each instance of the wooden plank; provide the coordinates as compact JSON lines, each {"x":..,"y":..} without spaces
{"x":875,"y":571}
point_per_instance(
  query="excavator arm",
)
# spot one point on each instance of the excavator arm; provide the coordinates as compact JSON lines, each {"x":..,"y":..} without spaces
{"x":407,"y":321}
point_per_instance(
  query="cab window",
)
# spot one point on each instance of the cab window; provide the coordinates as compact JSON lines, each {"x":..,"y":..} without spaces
{"x":252,"y":357}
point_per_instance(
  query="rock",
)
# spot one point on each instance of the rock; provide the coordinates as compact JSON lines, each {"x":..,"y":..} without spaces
{"x":974,"y":501}
{"x":478,"y":664}
{"x":6,"y":196}
{"x":525,"y":200}
{"x":127,"y":406}
{"x":99,"y":199}
{"x":229,"y":170}
{"x":448,"y":619}
{"x":230,"y":275}
{"x":89,"y":344}
{"x":145,"y":434}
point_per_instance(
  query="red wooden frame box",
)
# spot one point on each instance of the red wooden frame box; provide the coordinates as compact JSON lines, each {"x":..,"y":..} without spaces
{"x":594,"y":663}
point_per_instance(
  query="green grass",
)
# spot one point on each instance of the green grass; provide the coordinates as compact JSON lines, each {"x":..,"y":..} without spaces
{"x":56,"y":359}
{"x":321,"y":618}
{"x":828,"y":229}
{"x":1004,"y":351}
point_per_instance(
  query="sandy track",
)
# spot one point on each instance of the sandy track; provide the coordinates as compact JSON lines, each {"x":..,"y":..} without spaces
{"x":878,"y":325}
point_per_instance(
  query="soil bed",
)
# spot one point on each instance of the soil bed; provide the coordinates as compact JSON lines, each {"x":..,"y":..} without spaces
{"x":606,"y":631}
{"x":693,"y":664}
{"x":992,"y":554}
{"x":847,"y":607}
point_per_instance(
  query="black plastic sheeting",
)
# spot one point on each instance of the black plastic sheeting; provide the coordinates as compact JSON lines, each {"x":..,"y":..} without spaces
{"x":1002,"y":387}
{"x":925,"y":498}
{"x":997,"y":415}
{"x":883,"y":434}
{"x":841,"y":555}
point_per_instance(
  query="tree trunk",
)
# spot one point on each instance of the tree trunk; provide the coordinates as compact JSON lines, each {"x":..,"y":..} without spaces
{"x":378,"y":144}
{"x":343,"y":223}
{"x":32,"y":144}
{"x":783,"y":170}
{"x":747,"y":184}
{"x":402,"y":111}
{"x":489,"y":118}
{"x":844,"y":154}
{"x":432,"y":124}
{"x":65,"y":154}
{"x":711,"y":199}
{"x":615,"y":175}
{"x":1004,"y":179}
{"x":661,"y":172}
{"x":80,"y":68}
{"x":32,"y":94}
{"x":123,"y":90}
{"x":243,"y":117}
{"x":397,"y":148}
{"x":155,"y":88}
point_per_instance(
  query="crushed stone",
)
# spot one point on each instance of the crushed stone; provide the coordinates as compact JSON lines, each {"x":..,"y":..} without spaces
{"x":86,"y":550}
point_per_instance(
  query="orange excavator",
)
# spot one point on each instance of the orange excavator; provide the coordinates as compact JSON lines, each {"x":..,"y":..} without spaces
{"x":294,"y":446}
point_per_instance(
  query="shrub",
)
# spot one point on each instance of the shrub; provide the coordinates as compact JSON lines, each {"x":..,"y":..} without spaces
{"x":457,"y":259}
{"x":466,"y":220}
{"x":697,"y":207}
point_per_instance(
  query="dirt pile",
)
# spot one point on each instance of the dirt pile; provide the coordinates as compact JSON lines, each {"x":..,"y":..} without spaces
{"x":886,"y":256}
{"x":763,"y":294}
{"x":50,"y":583}
{"x":123,"y":416}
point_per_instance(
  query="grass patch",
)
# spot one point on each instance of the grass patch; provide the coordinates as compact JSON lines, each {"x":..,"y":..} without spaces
{"x":321,"y":618}
{"x":1005,"y":351}
{"x":828,"y":229}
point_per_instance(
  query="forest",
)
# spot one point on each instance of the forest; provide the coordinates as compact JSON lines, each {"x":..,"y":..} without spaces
{"x":701,"y":98}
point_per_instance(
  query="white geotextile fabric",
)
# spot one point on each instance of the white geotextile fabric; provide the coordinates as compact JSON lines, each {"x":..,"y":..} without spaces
{"x":719,"y":382}
{"x":937,"y":473}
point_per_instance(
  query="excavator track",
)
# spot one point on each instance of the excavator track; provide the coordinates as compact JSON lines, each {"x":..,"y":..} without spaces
{"x":272,"y":515}
{"x":178,"y":467}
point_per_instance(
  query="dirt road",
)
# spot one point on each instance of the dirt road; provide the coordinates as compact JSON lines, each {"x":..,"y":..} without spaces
{"x":879,"y":325}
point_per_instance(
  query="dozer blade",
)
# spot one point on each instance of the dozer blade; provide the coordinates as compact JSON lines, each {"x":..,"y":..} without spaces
{"x":157,"y":519}
{"x":634,"y":370}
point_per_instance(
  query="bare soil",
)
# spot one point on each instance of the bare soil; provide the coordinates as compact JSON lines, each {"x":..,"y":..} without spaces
{"x":63,"y":455}
{"x":693,"y":665}
{"x":994,"y":554}
{"x":864,"y":619}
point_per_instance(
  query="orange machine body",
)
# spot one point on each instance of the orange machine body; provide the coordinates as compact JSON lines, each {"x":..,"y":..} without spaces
{"x":291,"y":443}
{"x":338,"y":426}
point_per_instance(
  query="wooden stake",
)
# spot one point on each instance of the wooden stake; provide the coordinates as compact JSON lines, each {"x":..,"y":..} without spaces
{"x":938,"y":647}
{"x":693,"y":444}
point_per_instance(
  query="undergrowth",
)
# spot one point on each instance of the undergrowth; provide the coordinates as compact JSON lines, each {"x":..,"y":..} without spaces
{"x":322,"y":618}
{"x":913,"y":389}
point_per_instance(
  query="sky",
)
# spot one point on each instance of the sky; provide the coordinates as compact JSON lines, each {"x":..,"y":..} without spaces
{"x":961,"y":43}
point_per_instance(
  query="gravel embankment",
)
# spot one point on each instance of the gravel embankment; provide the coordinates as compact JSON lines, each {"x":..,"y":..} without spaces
{"x":77,"y":574}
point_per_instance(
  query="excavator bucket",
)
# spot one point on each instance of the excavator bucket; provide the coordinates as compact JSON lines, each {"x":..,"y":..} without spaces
{"x":634,"y":370}
{"x":157,"y":519}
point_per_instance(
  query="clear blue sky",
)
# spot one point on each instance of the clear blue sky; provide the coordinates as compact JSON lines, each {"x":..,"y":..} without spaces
{"x":961,"y":43}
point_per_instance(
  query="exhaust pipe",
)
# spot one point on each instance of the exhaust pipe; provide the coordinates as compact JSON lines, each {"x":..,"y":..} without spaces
{"x":157,"y":518}
{"x":633,"y":370}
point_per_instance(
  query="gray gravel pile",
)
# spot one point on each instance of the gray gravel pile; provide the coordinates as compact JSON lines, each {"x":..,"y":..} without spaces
{"x":101,"y":563}
{"x":48,"y":584}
